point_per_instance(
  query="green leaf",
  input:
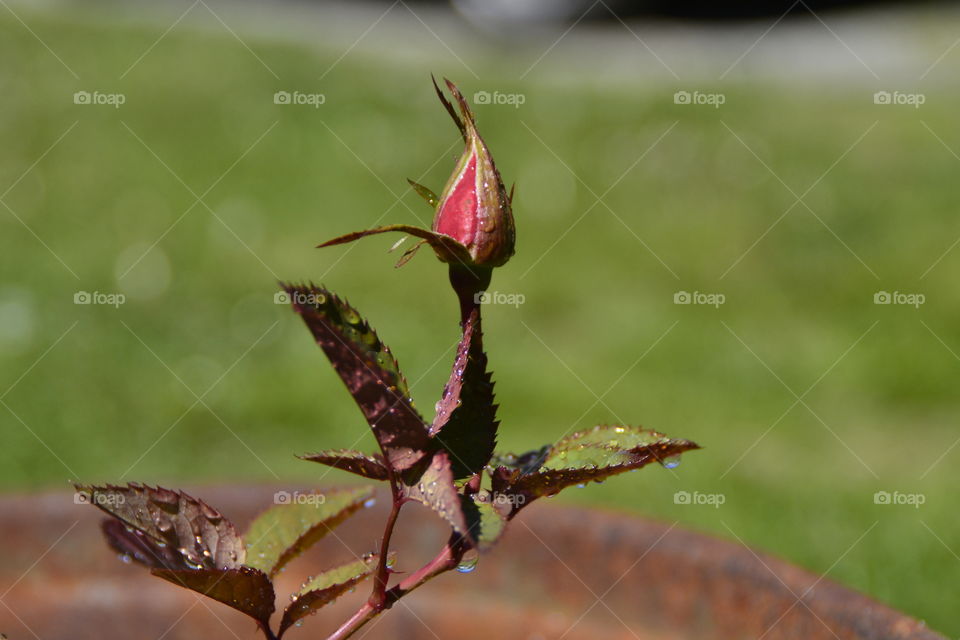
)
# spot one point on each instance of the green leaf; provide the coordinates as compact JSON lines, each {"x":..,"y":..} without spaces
{"x":587,"y":456}
{"x":368,"y":369}
{"x":284,"y":531}
{"x":486,"y":518}
{"x":245,"y":589}
{"x":372,"y":467}
{"x":612,"y":436}
{"x":435,"y":488}
{"x":425,"y":193}
{"x":325,"y":588}
{"x":466,"y":421}
{"x":167,"y":528}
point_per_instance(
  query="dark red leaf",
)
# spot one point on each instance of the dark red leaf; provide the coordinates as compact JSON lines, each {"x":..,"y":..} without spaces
{"x":434,"y":487}
{"x":369,"y":371}
{"x":466,"y":421}
{"x":372,"y":467}
{"x":176,"y":530}
{"x":137,"y":546}
{"x":245,"y":589}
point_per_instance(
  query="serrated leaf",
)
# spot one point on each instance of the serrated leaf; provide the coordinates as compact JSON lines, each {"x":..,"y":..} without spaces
{"x":486,"y":520}
{"x":446,"y":248}
{"x":245,"y":589}
{"x":466,"y":421}
{"x":425,"y":193}
{"x":284,"y":531}
{"x":166,"y":520}
{"x":435,"y":488}
{"x":368,"y":369}
{"x":587,"y":456}
{"x":371,"y":467}
{"x":325,"y":588}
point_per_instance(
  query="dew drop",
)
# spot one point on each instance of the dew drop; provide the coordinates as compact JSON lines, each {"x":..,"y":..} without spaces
{"x":369,"y":503}
{"x":671,"y":463}
{"x":125,"y":558}
{"x":469,"y":561}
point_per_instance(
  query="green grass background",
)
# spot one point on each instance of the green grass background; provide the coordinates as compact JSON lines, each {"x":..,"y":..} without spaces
{"x":105,"y":403}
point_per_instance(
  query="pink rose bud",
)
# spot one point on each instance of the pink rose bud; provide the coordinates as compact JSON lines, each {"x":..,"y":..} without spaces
{"x":473,"y":222}
{"x":474,"y":207}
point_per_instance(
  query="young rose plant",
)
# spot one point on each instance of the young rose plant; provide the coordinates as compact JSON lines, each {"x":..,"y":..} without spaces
{"x":448,"y":464}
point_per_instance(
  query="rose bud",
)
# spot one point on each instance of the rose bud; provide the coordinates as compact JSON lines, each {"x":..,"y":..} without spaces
{"x":473,"y":225}
{"x":474,"y":208}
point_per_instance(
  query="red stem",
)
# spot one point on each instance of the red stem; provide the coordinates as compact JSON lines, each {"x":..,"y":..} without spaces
{"x":378,"y":597}
{"x":448,"y":558}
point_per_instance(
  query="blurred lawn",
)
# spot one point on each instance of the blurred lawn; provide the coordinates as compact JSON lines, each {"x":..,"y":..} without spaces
{"x":598,"y":338}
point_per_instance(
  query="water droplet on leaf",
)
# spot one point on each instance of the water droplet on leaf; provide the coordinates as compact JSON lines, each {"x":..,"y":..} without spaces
{"x":671,"y":463}
{"x":469,"y":561}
